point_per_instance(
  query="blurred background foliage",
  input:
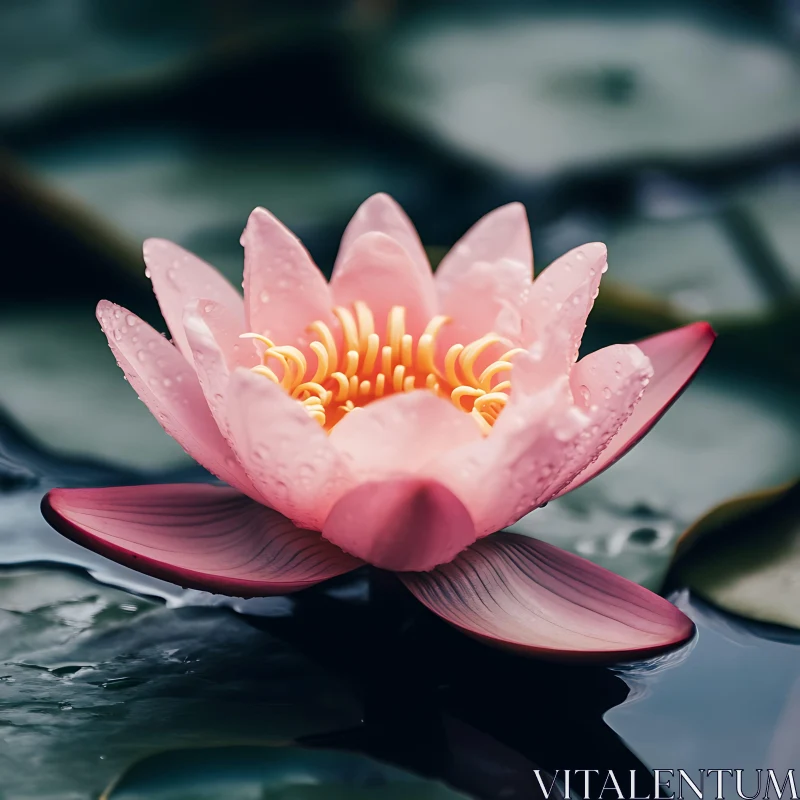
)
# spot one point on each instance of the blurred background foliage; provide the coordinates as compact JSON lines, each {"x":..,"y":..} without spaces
{"x":670,"y":131}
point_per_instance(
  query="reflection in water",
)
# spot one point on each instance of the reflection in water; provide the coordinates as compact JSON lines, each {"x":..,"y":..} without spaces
{"x":734,"y":699}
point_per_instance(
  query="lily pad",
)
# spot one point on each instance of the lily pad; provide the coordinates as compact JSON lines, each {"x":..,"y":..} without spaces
{"x":752,"y":567}
{"x":173,"y":187}
{"x":61,"y":383}
{"x":729,"y":434}
{"x":93,"y":678}
{"x":242,"y":773}
{"x":733,"y":699}
{"x":542,"y":93}
{"x":774,"y":205}
{"x":52,"y":51}
{"x":691,"y":265}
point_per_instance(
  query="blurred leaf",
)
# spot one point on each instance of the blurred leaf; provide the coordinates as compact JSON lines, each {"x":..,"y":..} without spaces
{"x":773,"y":205}
{"x":61,"y":383}
{"x":729,"y":434}
{"x":245,"y":773}
{"x":728,"y":513}
{"x":537,"y":94}
{"x":200,"y":196}
{"x":54,"y":52}
{"x":93,"y":678}
{"x":690,"y":265}
{"x":751,"y":568}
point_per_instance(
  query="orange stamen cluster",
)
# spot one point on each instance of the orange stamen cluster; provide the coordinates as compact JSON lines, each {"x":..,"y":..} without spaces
{"x":370,"y":367}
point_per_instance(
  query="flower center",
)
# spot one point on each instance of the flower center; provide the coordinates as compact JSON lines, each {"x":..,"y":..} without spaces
{"x":370,"y":367}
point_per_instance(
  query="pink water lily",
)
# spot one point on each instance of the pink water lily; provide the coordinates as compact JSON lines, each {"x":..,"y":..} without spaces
{"x":391,"y":417}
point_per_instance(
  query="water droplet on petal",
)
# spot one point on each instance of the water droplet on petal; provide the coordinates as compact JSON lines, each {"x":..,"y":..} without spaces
{"x":607,"y":393}
{"x":264,"y":297}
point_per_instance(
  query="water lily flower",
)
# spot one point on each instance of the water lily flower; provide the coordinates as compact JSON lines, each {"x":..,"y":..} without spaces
{"x":391,"y":417}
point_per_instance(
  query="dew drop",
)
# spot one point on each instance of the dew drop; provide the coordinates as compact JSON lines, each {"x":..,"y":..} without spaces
{"x":585,"y":394}
{"x":167,"y":382}
{"x":148,"y":274}
{"x":118,"y":335}
{"x":607,"y":393}
{"x":264,"y":297}
{"x":141,"y":355}
{"x":580,"y":256}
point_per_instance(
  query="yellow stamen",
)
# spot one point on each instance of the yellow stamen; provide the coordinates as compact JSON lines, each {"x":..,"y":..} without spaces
{"x":373,"y":366}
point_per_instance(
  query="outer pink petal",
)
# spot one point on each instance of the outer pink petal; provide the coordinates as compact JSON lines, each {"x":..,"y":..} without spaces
{"x":382,"y":214}
{"x":217,"y":350}
{"x":180,"y":277}
{"x":576,"y":274}
{"x":524,"y":595}
{"x":168,"y":385}
{"x":379,"y":271}
{"x":401,"y":524}
{"x":484,"y":280}
{"x":676,"y":356}
{"x":284,"y":290}
{"x":539,"y":443}
{"x":285,"y":452}
{"x":198,"y":536}
{"x":399,"y":434}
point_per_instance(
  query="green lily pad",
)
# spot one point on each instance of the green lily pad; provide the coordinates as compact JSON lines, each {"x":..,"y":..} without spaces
{"x":751,"y":567}
{"x":541,"y":93}
{"x":773,"y":205}
{"x":729,"y":434}
{"x":52,"y":51}
{"x":200,"y":196}
{"x":278,"y":773}
{"x":93,"y":678}
{"x":61,"y":383}
{"x":690,"y":265}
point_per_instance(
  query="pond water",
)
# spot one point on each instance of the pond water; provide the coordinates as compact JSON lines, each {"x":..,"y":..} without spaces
{"x":102,"y":668}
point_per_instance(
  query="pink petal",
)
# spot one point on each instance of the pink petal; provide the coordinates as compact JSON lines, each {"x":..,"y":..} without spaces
{"x":575,"y":274}
{"x":400,"y":433}
{"x":198,"y":536}
{"x":180,"y":277}
{"x":501,"y":477}
{"x":483,"y":281}
{"x":501,"y":234}
{"x":284,"y":291}
{"x":539,"y":443}
{"x":169,"y":387}
{"x":676,"y":356}
{"x":217,"y":350}
{"x":524,"y":595}
{"x":377,"y":270}
{"x":285,"y":452}
{"x":381,"y":213}
{"x":226,"y":330}
{"x":401,"y":524}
